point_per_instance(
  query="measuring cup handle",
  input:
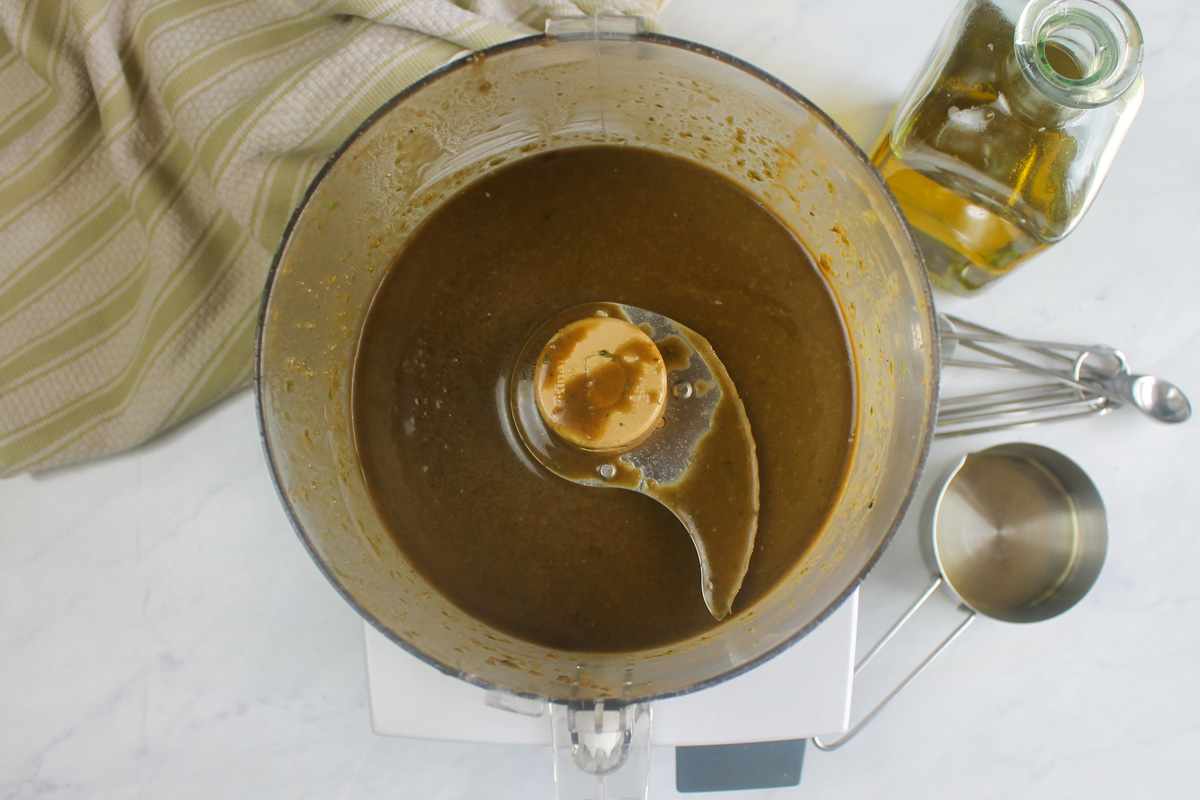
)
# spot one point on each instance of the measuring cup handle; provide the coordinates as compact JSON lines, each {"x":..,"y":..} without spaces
{"x":892,"y":631}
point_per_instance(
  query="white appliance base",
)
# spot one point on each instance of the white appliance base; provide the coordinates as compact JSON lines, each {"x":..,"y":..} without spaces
{"x":802,"y":692}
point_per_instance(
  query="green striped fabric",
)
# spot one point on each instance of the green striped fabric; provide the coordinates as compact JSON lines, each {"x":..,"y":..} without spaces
{"x":151,"y":152}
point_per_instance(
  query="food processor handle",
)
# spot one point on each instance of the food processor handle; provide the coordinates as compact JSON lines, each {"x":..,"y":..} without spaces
{"x":892,"y":631}
{"x":596,"y":25}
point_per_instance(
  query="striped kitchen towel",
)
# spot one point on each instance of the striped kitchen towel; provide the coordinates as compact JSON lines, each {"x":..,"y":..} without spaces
{"x":151,"y":152}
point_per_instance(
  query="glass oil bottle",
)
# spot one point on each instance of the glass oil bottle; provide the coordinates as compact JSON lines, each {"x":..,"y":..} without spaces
{"x":1000,"y":144}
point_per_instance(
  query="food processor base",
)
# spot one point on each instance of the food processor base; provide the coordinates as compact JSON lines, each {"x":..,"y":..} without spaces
{"x":802,"y":692}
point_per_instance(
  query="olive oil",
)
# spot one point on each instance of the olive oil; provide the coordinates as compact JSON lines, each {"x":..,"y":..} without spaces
{"x":1000,"y":145}
{"x":965,"y":243}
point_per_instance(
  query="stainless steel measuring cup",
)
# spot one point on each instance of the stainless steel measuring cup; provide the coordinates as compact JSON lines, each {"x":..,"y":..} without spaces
{"x":1017,"y":533}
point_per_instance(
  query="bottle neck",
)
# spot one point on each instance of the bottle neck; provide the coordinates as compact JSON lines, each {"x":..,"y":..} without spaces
{"x":1071,"y":55}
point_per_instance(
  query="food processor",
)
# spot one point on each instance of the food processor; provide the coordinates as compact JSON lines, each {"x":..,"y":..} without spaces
{"x":592,"y":81}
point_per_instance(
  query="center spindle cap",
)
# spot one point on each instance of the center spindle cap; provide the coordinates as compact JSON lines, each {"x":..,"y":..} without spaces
{"x":601,"y":385}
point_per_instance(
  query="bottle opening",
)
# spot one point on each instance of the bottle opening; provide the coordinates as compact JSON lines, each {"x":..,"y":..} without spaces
{"x":1066,"y":63}
{"x":1075,"y":53}
{"x":1080,"y":53}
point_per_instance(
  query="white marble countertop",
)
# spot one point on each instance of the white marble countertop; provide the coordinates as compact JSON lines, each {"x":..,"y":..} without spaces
{"x":164,"y":634}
